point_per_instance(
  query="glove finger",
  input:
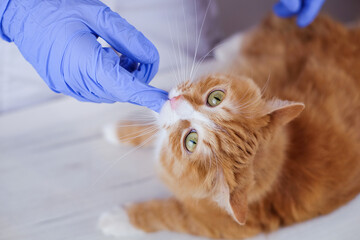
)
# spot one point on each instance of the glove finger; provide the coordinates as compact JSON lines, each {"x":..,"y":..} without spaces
{"x":78,"y":69}
{"x":71,"y":93}
{"x":125,"y":38}
{"x":309,"y":12}
{"x":292,"y":5}
{"x":103,"y":78}
{"x":282,"y":11}
{"x":146,"y":72}
{"x":148,"y":96}
{"x":82,"y":96}
{"x":85,"y":96}
{"x":129,"y":64}
{"x":121,"y":85}
{"x":143,"y":72}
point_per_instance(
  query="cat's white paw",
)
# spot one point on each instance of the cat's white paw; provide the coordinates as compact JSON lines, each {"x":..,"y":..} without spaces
{"x":116,"y":223}
{"x":110,"y":134}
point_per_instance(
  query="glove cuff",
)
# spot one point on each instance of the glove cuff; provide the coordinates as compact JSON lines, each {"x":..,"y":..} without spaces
{"x":3,"y":6}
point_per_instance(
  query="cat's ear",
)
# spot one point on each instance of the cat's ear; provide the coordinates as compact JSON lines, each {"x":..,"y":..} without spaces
{"x":239,"y":206}
{"x":283,"y":112}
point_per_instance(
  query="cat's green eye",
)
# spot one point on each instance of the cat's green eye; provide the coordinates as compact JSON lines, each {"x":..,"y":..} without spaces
{"x":215,"y":98}
{"x":191,"y":141}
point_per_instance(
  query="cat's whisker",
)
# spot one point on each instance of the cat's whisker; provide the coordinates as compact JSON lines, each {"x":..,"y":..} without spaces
{"x":134,"y":125}
{"x":180,"y":54}
{"x":118,"y":160}
{"x":172,"y":54}
{"x":198,"y":38}
{"x":178,"y":77}
{"x":245,"y":108}
{"x":139,"y":126}
{"x":252,"y":114}
{"x":113,"y":164}
{"x":187,"y":42}
{"x":142,"y":118}
{"x":252,"y":102}
{"x":149,"y":126}
{"x":183,"y":52}
{"x":150,"y":117}
{"x":249,"y":113}
{"x":196,"y":33}
{"x":245,"y":104}
{"x":130,"y":136}
{"x":144,"y":121}
{"x":202,"y":59}
{"x":144,"y":113}
{"x":174,"y":72}
{"x":266,"y":85}
{"x":244,"y":95}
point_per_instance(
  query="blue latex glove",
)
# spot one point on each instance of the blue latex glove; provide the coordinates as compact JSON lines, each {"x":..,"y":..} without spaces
{"x":306,"y":10}
{"x":59,"y":38}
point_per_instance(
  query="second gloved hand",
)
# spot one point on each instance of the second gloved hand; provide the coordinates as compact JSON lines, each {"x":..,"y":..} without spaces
{"x":306,"y":10}
{"x":59,"y":38}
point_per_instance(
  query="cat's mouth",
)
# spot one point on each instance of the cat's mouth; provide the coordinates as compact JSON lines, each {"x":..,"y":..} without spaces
{"x":174,"y":110}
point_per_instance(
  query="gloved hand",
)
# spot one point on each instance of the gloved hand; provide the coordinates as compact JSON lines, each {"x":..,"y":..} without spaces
{"x":59,"y":38}
{"x":306,"y":10}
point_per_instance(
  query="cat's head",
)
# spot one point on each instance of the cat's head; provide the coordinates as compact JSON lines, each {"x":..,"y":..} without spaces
{"x":211,"y":131}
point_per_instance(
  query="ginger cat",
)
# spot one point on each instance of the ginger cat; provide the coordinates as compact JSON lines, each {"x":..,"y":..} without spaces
{"x":239,"y":160}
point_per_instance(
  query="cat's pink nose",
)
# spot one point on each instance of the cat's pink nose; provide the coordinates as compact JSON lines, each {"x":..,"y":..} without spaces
{"x":174,"y":102}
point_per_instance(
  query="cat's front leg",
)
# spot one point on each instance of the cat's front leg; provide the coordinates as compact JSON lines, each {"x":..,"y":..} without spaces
{"x":138,"y":218}
{"x":116,"y":223}
{"x":197,"y":218}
